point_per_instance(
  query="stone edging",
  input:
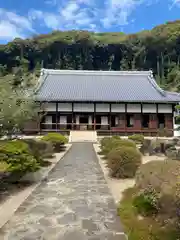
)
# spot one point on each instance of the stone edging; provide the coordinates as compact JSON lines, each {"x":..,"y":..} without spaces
{"x":9,"y":207}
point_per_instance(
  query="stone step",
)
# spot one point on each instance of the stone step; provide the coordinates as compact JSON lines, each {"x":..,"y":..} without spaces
{"x":83,"y":136}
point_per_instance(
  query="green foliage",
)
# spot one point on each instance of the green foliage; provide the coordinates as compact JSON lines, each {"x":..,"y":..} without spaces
{"x":16,"y":108}
{"x":17,"y":156}
{"x":56,"y":139}
{"x":22,"y":163}
{"x":147,"y":228}
{"x":146,"y":203}
{"x":114,"y":142}
{"x":124,"y":161}
{"x":162,"y":177}
{"x":40,"y":149}
{"x":158,"y":49}
{"x":137,"y":138}
{"x":104,"y":141}
{"x":11,"y":148}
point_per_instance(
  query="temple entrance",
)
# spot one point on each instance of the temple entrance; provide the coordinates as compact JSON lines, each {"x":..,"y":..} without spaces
{"x":83,"y":119}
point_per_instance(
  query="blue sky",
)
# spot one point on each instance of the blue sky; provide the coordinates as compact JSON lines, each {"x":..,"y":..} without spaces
{"x":25,"y":18}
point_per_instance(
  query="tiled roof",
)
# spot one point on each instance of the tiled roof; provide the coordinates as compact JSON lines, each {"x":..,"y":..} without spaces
{"x":106,"y":86}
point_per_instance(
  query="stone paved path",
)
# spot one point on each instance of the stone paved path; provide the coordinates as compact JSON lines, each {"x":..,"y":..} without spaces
{"x":74,"y":204}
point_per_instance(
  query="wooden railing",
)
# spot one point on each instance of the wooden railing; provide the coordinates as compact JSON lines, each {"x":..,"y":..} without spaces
{"x":74,"y":126}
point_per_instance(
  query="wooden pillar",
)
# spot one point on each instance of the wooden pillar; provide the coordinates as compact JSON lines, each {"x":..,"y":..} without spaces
{"x":125,"y":119}
{"x":94,"y":116}
{"x":110,"y":116}
{"x":141,"y":116}
{"x":56,"y":116}
{"x":137,"y":121}
{"x":72,"y":125}
{"x":169,"y":123}
{"x":40,"y":119}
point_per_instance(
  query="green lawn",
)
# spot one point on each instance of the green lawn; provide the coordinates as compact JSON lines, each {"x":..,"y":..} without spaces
{"x":146,"y":228}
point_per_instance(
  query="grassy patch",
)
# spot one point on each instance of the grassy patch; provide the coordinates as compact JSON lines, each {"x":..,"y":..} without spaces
{"x":146,"y":228}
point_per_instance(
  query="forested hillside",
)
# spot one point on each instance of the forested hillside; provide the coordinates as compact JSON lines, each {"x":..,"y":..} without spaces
{"x":157,"y":49}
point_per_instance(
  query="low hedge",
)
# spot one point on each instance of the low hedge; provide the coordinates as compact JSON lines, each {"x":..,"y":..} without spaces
{"x":159,"y":180}
{"x":137,"y":138}
{"x":56,"y":139}
{"x":111,"y":143}
{"x":124,"y":161}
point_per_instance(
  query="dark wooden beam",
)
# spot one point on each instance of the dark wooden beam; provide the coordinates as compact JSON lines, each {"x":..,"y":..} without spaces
{"x":110,"y":108}
{"x":141,"y":115}
{"x":56,"y":116}
{"x":94,"y":116}
{"x":125,"y":119}
{"x":72,"y":116}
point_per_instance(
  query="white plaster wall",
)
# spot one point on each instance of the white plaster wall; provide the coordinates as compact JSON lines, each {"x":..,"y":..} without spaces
{"x":77,"y":119}
{"x":48,"y":119}
{"x":102,"y":107}
{"x":104,"y":120}
{"x":83,"y":107}
{"x":50,"y":107}
{"x":149,"y":108}
{"x":63,"y":119}
{"x":117,"y":107}
{"x":65,"y":107}
{"x":134,"y":108}
{"x":116,"y":120}
{"x":90,"y":120}
{"x":164,"y":108}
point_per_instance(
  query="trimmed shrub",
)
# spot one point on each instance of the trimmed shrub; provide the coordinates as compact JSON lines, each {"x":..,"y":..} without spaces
{"x":127,"y":143}
{"x":124,"y":161}
{"x":40,"y":149}
{"x":18,"y":157}
{"x":114,"y":143}
{"x":137,"y":138}
{"x":56,"y":139}
{"x":104,"y":141}
{"x":161,"y":177}
{"x":15,"y":147}
{"x":108,"y":145}
{"x":22,"y":163}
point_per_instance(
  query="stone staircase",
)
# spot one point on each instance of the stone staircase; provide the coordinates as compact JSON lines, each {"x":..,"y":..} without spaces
{"x":83,"y":136}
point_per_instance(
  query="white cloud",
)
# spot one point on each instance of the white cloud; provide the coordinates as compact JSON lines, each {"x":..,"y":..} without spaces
{"x":69,"y":16}
{"x":13,"y":25}
{"x":117,"y":12}
{"x":8,"y":31}
{"x":174,"y":3}
{"x":69,"y":11}
{"x":50,"y":20}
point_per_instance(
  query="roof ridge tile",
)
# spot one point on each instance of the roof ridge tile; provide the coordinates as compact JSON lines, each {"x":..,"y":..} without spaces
{"x":95,"y":72}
